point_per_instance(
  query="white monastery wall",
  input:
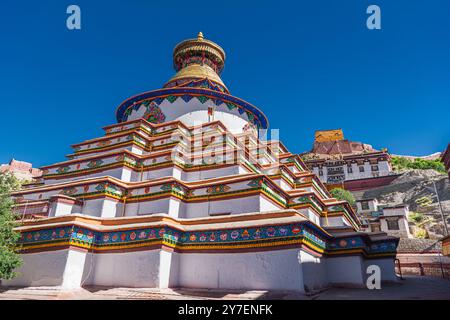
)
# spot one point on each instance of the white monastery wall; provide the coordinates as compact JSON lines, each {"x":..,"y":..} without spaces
{"x":266,"y":205}
{"x":131,"y":269}
{"x":314,"y":271}
{"x":100,"y":152}
{"x":403,"y":227}
{"x":231,"y":206}
{"x":164,"y":172}
{"x":284,"y":185}
{"x":169,"y":266}
{"x":147,"y":207}
{"x":274,"y":270}
{"x":108,"y":208}
{"x":57,"y":209}
{"x":111,"y":208}
{"x":383,"y":170}
{"x":310,"y":215}
{"x":232,"y":122}
{"x":346,"y":270}
{"x":288,"y":269}
{"x":40,"y":269}
{"x":93,"y":207}
{"x":213,"y":173}
{"x":387,"y":268}
{"x":335,"y":221}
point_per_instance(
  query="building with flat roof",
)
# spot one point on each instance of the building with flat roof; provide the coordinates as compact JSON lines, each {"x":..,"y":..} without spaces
{"x":21,"y":170}
{"x":339,"y":162}
{"x":377,"y":217}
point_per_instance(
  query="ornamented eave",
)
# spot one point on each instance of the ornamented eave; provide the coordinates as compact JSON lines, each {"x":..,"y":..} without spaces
{"x":133,"y":137}
{"x":186,"y":160}
{"x":200,"y":191}
{"x":219,"y":98}
{"x":250,"y":231}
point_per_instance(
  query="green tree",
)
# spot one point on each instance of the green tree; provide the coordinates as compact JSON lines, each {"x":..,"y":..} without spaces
{"x":400,"y":163}
{"x":421,"y":222}
{"x":9,"y":258}
{"x":343,"y":195}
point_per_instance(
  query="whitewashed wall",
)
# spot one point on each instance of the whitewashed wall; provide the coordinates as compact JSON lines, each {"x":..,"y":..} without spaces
{"x":41,"y":269}
{"x":275,"y":270}
{"x":346,"y":270}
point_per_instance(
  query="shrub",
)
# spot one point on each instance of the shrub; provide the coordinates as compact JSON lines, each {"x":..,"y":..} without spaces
{"x":343,"y":195}
{"x":401,"y":163}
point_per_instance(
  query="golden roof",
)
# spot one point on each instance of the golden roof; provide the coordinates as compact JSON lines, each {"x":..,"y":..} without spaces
{"x":197,"y":71}
{"x":199,"y":48}
{"x":199,"y":44}
{"x":329,"y":135}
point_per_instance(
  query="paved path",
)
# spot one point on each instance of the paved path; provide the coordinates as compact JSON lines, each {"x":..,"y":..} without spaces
{"x":411,"y":288}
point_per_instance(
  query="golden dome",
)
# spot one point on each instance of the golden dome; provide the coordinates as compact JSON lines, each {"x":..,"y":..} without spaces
{"x":197,"y":71}
{"x":198,"y":59}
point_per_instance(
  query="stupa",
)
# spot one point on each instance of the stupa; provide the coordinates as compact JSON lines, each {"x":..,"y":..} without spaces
{"x":183,"y":191}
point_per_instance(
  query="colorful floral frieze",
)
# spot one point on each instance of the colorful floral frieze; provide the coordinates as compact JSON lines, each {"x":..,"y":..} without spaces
{"x":218,"y":189}
{"x":288,"y":160}
{"x":168,"y":233}
{"x":108,"y":188}
{"x":256,"y":183}
{"x":172,"y":186}
{"x":383,"y":247}
{"x":310,"y":199}
{"x":45,"y":235}
{"x":250,"y":236}
{"x":304,"y":180}
{"x":63,"y":169}
{"x":94,"y":163}
{"x":103,"y":143}
{"x":313,"y":238}
{"x":347,"y":243}
{"x":70,"y":191}
{"x":336,"y":208}
{"x":131,"y":160}
{"x":304,"y":199}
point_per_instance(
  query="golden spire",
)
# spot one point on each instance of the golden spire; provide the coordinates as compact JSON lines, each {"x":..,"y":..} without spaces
{"x":198,"y":58}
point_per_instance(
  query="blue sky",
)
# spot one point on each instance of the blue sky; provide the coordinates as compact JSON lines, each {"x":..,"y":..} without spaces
{"x":308,"y":65}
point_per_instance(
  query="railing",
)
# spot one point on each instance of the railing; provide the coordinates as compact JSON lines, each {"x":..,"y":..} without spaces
{"x":32,"y":210}
{"x":434,"y":269}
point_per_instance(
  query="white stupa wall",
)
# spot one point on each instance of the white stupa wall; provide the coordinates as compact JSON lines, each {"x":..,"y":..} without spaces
{"x":40,"y":269}
{"x":128,"y":175}
{"x":194,"y":113}
{"x":315,"y":271}
{"x":274,"y":270}
{"x":286,"y":269}
{"x":232,"y":122}
{"x":346,"y":270}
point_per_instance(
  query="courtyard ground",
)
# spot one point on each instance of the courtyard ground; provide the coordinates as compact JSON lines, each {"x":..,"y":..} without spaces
{"x":412,"y":287}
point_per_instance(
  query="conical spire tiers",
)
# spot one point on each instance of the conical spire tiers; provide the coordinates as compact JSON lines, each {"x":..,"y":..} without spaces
{"x":198,"y":58}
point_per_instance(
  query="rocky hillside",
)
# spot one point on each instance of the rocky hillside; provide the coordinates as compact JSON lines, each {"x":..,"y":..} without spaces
{"x":433,"y":156}
{"x":412,"y":188}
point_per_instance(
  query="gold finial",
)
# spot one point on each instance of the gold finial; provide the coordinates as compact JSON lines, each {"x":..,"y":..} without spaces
{"x":200,"y":36}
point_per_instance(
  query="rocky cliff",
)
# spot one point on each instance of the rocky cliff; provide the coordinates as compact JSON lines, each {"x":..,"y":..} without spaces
{"x":412,"y":188}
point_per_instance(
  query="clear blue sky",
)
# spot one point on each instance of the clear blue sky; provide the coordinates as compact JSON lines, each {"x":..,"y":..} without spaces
{"x":308,"y":65}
